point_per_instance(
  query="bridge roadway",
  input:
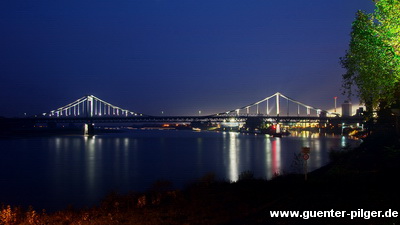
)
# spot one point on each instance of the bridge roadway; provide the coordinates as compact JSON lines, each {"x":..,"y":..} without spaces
{"x":188,"y":119}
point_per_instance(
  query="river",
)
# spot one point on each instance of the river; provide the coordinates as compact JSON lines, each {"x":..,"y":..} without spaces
{"x":54,"y":172}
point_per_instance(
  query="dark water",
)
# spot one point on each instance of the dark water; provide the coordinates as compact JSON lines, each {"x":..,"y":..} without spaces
{"x":54,"y":172}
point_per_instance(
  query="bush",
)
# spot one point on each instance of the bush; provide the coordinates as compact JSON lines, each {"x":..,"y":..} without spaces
{"x":246,"y":176}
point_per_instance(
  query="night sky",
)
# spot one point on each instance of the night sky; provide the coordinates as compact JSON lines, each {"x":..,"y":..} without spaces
{"x":176,"y":56}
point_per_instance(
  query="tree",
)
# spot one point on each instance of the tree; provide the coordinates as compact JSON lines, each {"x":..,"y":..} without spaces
{"x":372,"y":61}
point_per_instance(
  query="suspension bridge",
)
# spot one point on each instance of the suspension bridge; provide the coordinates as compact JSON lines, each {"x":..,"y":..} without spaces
{"x":91,"y":106}
{"x":276,"y":99}
{"x":277,"y":109}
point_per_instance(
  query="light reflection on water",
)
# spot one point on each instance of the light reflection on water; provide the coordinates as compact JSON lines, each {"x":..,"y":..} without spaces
{"x":233,"y":168}
{"x":81,"y":170}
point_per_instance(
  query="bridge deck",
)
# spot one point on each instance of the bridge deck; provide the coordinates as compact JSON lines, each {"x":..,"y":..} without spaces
{"x":187,"y":119}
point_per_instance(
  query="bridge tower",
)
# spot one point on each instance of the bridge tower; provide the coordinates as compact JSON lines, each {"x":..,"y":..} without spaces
{"x":277,"y":103}
{"x":89,"y":109}
{"x":278,"y":126}
{"x":88,"y":127}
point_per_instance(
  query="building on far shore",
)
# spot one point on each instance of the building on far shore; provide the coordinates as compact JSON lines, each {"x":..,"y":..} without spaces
{"x":346,"y":109}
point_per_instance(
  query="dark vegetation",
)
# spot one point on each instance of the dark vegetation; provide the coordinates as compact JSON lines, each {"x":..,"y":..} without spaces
{"x":362,"y":178}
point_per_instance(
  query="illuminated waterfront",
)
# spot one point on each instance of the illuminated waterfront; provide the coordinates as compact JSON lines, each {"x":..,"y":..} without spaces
{"x":56,"y":171}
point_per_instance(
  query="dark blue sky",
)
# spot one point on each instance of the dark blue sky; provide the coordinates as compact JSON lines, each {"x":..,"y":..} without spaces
{"x":176,"y":56}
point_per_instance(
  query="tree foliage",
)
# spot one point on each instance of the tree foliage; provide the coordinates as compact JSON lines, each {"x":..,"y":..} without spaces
{"x":372,"y":61}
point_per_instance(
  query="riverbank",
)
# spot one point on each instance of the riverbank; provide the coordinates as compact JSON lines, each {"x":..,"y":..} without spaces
{"x":363,"y":178}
